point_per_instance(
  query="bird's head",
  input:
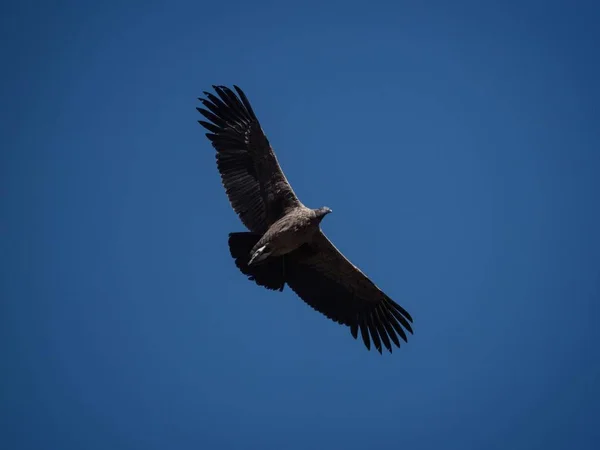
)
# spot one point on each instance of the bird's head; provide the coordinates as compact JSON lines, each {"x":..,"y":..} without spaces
{"x":322,"y":212}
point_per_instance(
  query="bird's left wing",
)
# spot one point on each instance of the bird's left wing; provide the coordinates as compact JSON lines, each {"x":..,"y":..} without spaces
{"x":325,"y":279}
{"x":255,"y":184}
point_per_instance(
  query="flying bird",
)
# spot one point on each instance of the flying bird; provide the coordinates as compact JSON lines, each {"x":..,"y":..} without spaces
{"x":285,"y":243}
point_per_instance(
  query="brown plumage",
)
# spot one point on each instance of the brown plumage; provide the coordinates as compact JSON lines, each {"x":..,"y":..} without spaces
{"x":285,"y":244}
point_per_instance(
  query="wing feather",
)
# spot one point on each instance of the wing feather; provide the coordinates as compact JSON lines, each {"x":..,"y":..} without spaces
{"x":254,"y":182}
{"x":326,"y":280}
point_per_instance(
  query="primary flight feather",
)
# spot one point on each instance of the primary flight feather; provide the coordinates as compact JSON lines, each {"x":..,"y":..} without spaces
{"x":285,"y":244}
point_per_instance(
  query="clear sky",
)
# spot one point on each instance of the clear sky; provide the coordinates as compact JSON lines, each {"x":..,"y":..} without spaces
{"x":457,"y":144}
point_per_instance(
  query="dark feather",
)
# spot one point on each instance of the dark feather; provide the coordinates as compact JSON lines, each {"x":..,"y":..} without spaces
{"x":374,"y":333}
{"x":245,"y":102}
{"x":209,"y":126}
{"x":321,"y":276}
{"x":364,"y":331}
{"x":381,"y":330}
{"x":221,"y":124}
{"x":354,"y":328}
{"x":270,"y":274}
{"x":262,"y":194}
{"x":388,"y":325}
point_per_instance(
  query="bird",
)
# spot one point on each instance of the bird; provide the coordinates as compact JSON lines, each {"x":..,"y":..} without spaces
{"x":284,"y":244}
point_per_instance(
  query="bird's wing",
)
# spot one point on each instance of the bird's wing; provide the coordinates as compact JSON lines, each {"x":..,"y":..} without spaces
{"x":322,"y":277}
{"x":255,"y":184}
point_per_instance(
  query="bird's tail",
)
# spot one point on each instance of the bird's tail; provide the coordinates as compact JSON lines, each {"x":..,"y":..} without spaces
{"x":269,"y":273}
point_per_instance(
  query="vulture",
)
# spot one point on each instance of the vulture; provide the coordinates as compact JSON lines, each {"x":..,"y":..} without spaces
{"x":284,"y":243}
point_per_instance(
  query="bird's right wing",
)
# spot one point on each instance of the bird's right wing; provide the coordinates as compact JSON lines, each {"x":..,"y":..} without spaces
{"x":322,"y":276}
{"x":255,"y":184}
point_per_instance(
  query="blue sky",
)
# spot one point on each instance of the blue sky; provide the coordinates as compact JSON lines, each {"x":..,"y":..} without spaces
{"x":456,"y":142}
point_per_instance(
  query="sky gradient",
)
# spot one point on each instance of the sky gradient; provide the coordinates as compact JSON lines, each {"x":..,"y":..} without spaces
{"x":457,"y":144}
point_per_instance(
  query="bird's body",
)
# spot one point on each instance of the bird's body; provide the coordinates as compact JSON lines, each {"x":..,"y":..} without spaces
{"x":285,"y":244}
{"x":287,"y":234}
